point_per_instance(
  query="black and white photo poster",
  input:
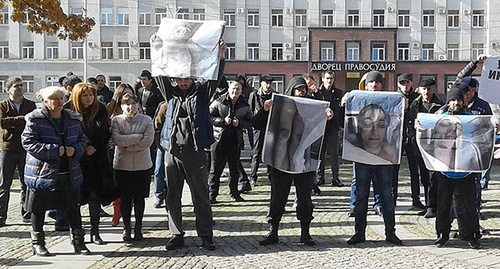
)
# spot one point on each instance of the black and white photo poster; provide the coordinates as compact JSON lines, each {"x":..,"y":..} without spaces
{"x":186,"y":48}
{"x":455,"y":143}
{"x":489,"y":88}
{"x":294,"y":134}
{"x":373,"y":127}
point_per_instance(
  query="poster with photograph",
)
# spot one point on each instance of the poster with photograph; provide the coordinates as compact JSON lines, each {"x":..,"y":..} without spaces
{"x":455,"y":143}
{"x":489,"y":88}
{"x":294,"y":134}
{"x":187,"y":48}
{"x":373,"y":127}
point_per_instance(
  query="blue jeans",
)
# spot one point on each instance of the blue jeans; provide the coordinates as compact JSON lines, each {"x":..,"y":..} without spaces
{"x":382,"y":176}
{"x":160,"y":175}
{"x":376,"y":196}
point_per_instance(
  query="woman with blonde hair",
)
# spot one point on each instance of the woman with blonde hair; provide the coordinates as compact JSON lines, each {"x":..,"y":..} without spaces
{"x":54,"y":141}
{"x":95,"y":163}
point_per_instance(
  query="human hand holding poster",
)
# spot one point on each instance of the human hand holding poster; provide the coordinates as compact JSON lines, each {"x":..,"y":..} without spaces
{"x":185,"y":48}
{"x":294,"y":134}
{"x":373,"y":129}
{"x":489,"y":88}
{"x":455,"y":143}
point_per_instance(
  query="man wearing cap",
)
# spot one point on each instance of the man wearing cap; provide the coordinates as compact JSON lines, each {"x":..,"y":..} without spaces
{"x":328,"y":92}
{"x":381,"y":174}
{"x":457,"y":184}
{"x":426,"y":102}
{"x":256,"y":102}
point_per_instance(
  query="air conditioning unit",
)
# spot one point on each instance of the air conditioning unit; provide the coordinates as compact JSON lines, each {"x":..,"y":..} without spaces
{"x":390,"y":9}
{"x":241,"y":11}
{"x":442,"y":57}
{"x":441,"y":11}
{"x":303,"y":38}
{"x":288,"y":10}
{"x":91,"y":44}
{"x":415,"y":45}
{"x":415,"y":58}
{"x":134,"y":43}
{"x":466,"y":12}
{"x":494,"y":44}
{"x":288,"y":45}
{"x":289,"y":57}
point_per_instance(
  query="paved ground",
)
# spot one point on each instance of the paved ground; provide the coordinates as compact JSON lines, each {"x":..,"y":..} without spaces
{"x":239,"y":226}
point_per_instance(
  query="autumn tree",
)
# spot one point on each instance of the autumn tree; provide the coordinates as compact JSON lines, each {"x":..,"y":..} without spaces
{"x":47,"y":16}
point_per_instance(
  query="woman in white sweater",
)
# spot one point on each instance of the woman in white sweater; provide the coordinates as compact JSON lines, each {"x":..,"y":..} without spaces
{"x":132,"y":133}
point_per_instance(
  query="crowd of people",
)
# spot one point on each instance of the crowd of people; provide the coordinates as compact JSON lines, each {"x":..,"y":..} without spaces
{"x":88,"y":145}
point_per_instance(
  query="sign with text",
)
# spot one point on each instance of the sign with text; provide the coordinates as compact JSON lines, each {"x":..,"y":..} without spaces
{"x":353,"y":66}
{"x":489,"y":88}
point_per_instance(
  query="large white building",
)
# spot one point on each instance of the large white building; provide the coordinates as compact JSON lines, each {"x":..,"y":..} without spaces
{"x":281,"y":38}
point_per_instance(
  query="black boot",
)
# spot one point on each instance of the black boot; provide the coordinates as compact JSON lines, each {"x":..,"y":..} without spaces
{"x":94,"y":230}
{"x":127,"y":233}
{"x":305,"y":237}
{"x":38,"y":243}
{"x":272,"y":237}
{"x":78,"y":242}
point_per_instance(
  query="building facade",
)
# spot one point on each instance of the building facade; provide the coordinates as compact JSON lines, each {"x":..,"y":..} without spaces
{"x":281,"y":38}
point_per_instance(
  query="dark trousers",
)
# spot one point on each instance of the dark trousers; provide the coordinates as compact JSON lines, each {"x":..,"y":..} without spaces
{"x":330,"y":145}
{"x":73,"y":217}
{"x":432,"y":200}
{"x":223,"y":154}
{"x":418,"y":173}
{"x":464,"y":191}
{"x":281,"y":183}
{"x":187,"y":164}
{"x":257,"y":154}
{"x":9,"y":161}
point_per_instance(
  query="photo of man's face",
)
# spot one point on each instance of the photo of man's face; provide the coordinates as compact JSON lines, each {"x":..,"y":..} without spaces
{"x":445,"y":134}
{"x":373,"y":130}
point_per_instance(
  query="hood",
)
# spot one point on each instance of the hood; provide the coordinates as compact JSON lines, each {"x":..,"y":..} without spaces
{"x":294,"y":83}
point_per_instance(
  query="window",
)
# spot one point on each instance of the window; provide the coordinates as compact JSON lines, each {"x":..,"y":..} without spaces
{"x":478,"y":18}
{"x":145,"y":17}
{"x":279,"y":83}
{"x":300,"y":52}
{"x":199,"y":14}
{"x":4,"y":50}
{"x":5,"y":16}
{"x":77,"y":50}
{"x":160,"y":13}
{"x":352,"y":50}
{"x":106,"y":16}
{"x":107,"y":50}
{"x":327,"y":18}
{"x":327,"y":50}
{"x":378,"y":18}
{"x":477,"y":49}
{"x":353,"y":18}
{"x":78,"y":11}
{"x":253,"y":18}
{"x":28,"y":50}
{"x":123,"y":16}
{"x":183,"y":14}
{"x":378,"y":51}
{"x":114,"y":82}
{"x":428,"y":19}
{"x":452,"y":52}
{"x":144,"y":51}
{"x":253,"y":51}
{"x":230,"y":52}
{"x":427,"y":52}
{"x":403,"y":18}
{"x":301,"y":18}
{"x":52,"y":51}
{"x":453,"y":18}
{"x":277,"y":17}
{"x":123,"y":51}
{"x":403,"y":51}
{"x":2,"y":81}
{"x":28,"y":83}
{"x":27,"y":16}
{"x":230,"y":17}
{"x":277,"y":51}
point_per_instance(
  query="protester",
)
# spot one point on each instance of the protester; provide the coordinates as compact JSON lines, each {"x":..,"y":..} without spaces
{"x":12,"y":155}
{"x":55,"y":142}
{"x":95,"y":164}
{"x":281,"y":181}
{"x":104,"y":94}
{"x":159,"y":173}
{"x":132,"y":133}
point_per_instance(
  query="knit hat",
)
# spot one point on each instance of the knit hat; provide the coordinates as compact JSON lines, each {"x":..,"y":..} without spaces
{"x":374,"y":76}
{"x":456,"y":92}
